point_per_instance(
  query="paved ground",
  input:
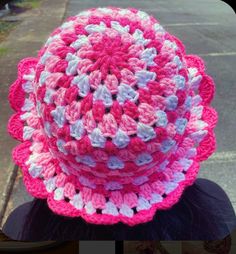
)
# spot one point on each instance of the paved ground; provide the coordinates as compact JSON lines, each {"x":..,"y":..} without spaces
{"x":24,"y":41}
{"x":207,"y":28}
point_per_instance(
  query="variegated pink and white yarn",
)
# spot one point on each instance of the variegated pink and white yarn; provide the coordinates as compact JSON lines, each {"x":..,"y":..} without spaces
{"x":113,"y":116}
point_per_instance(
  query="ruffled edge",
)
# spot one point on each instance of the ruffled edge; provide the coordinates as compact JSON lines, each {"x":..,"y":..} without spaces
{"x":21,"y":152}
{"x":206,"y":90}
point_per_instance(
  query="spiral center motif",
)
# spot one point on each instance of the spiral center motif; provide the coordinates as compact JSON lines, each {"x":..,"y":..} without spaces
{"x":110,"y":56}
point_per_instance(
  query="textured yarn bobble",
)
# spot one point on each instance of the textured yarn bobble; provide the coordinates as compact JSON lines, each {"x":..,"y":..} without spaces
{"x":113,"y":117}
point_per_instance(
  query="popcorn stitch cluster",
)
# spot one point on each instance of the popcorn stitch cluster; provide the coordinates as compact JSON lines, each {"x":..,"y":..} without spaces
{"x":113,"y":117}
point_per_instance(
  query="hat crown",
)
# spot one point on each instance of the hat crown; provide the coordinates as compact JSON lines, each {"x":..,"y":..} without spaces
{"x":109,"y":82}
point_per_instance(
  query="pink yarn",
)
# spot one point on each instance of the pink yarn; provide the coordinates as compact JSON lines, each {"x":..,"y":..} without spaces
{"x":113,"y":117}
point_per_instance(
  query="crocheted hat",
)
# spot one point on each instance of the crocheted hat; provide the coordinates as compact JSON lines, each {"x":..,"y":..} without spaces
{"x":113,"y":116}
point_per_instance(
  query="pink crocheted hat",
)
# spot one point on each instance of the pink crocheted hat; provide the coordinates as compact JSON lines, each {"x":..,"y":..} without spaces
{"x":113,"y":117}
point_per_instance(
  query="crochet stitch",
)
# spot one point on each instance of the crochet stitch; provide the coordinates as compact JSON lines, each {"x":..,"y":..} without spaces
{"x":113,"y":117}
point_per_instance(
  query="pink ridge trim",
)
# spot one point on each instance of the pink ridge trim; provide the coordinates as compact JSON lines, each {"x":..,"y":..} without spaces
{"x":15,"y":127}
{"x":195,"y":61}
{"x":179,"y":44}
{"x":206,"y":147}
{"x":16,"y":95}
{"x":207,"y":89}
{"x":210,"y":116}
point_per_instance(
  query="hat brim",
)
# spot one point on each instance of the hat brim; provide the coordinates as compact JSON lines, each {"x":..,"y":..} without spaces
{"x":36,"y":185}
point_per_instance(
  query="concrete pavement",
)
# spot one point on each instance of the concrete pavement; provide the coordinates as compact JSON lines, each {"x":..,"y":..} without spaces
{"x":207,"y":28}
{"x":24,"y":41}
